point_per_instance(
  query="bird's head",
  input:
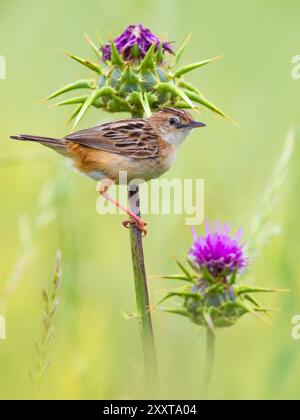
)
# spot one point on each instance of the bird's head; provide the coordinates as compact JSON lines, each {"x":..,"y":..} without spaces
{"x":173,"y":125}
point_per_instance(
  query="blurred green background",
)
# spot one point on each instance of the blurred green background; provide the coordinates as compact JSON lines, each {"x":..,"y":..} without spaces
{"x":96,"y":353}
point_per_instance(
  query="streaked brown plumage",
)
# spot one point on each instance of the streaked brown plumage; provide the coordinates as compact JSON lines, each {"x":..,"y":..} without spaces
{"x":143,"y":148}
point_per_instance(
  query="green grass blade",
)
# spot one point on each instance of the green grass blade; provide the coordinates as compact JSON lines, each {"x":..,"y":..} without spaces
{"x":260,"y":230}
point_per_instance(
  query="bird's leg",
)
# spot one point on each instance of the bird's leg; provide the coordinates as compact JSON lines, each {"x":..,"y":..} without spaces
{"x":134,"y":219}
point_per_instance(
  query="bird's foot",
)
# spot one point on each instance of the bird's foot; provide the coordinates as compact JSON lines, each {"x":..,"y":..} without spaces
{"x":138,"y":222}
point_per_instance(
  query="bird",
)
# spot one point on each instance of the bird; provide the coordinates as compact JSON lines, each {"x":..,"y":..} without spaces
{"x":143,"y":148}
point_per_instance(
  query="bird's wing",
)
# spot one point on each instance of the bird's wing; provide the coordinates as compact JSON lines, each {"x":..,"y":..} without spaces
{"x":134,"y":138}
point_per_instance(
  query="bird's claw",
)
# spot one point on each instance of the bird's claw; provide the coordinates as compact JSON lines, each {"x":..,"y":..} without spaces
{"x":139,"y":223}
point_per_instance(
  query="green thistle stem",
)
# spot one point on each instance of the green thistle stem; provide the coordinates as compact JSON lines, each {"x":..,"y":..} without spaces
{"x":210,"y":356}
{"x":142,"y":295}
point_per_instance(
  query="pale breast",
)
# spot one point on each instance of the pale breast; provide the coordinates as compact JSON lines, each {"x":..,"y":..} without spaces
{"x":146,"y":169}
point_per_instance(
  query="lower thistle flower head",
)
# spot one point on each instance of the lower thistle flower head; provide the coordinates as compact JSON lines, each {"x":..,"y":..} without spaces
{"x":218,"y":252}
{"x":218,"y":257}
{"x":213,"y":298}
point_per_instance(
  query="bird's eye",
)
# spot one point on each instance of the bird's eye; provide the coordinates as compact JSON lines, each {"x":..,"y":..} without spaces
{"x":173,"y":122}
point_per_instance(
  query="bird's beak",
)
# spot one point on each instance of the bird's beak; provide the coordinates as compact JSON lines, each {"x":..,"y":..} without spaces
{"x":194,"y":124}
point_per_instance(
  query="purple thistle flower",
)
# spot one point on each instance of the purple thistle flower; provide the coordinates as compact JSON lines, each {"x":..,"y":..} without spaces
{"x":219,"y":252}
{"x":134,"y":43}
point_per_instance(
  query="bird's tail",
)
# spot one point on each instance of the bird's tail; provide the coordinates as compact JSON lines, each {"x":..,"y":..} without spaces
{"x":56,"y":144}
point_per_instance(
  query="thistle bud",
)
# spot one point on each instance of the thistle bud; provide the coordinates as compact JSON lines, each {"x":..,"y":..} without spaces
{"x":137,"y":73}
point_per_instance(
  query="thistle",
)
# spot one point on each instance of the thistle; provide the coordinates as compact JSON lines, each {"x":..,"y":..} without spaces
{"x":132,"y":73}
{"x":213,"y":298}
